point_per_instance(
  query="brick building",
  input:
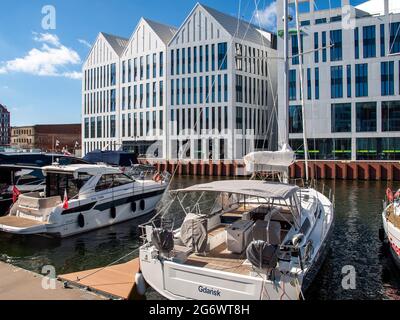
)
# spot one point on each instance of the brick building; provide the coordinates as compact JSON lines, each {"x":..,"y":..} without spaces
{"x":5,"y":129}
{"x":47,"y":137}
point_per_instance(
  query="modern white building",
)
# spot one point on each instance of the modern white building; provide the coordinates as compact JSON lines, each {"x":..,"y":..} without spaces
{"x":204,"y":91}
{"x":351,"y":67}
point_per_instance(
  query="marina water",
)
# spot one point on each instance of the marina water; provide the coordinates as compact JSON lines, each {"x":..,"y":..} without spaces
{"x":355,"y":243}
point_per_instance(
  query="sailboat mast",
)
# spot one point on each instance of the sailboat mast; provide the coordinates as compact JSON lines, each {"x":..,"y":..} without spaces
{"x":301,"y":73}
{"x":286,"y":65}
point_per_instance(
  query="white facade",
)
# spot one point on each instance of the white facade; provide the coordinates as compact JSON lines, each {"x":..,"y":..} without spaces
{"x":218,"y":89}
{"x":355,"y":112}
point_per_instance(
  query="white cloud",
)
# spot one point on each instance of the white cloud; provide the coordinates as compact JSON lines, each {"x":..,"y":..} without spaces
{"x":5,"y":87}
{"x":50,"y":60}
{"x":73,"y":75}
{"x":267,"y":17}
{"x":85,"y":43}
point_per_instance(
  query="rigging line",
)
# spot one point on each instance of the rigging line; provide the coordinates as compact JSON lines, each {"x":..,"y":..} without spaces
{"x":109,"y":265}
{"x":208,"y":96}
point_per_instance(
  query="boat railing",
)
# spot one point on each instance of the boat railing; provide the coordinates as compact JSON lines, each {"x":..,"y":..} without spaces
{"x":317,"y":185}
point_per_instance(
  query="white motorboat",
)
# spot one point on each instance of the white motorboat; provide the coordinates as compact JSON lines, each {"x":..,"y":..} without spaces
{"x":391,"y":224}
{"x":258,"y":241}
{"x":79,"y":198}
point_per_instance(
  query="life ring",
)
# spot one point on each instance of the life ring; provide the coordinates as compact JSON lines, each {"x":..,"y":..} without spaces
{"x":389,"y":194}
{"x":397,"y":195}
{"x":142,"y":205}
{"x":113,"y":212}
{"x":133,"y":206}
{"x":81,"y":220}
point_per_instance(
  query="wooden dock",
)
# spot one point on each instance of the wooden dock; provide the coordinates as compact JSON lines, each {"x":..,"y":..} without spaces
{"x":116,"y":282}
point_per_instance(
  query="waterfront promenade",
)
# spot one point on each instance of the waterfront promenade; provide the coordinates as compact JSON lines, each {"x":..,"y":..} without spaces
{"x":20,"y":284}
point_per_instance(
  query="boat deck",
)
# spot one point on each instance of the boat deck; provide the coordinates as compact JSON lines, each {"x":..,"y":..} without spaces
{"x":18,"y":222}
{"x":221,"y":259}
{"x":395,"y":220}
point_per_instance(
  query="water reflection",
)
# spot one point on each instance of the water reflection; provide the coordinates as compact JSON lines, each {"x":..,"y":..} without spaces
{"x":355,"y":242}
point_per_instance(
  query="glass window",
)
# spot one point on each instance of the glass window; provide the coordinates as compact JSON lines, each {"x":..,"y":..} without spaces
{"x":362,"y":80}
{"x":225,"y":88}
{"x":348,"y":68}
{"x":336,"y":82}
{"x":161,"y":64}
{"x":369,"y":42}
{"x":387,"y":78}
{"x":113,"y":74}
{"x":316,"y":48}
{"x":222,"y":56}
{"x":367,"y":149}
{"x":161,"y":93}
{"x":316,"y":79}
{"x":112,"y":126}
{"x":324,"y":46}
{"x":86,"y":128}
{"x":309,"y":93}
{"x":239,"y":118}
{"x":183,"y":60}
{"x":341,"y":117}
{"x":207,"y":57}
{"x":295,"y":119}
{"x":391,"y":116}
{"x":366,"y":116}
{"x":213,"y":57}
{"x":189,"y":51}
{"x":195,"y":59}
{"x":394,"y":44}
{"x":112,"y":100}
{"x":154,"y":65}
{"x":383,"y":51}
{"x":295,"y":50}
{"x":336,"y":42}
{"x":320,"y":21}
{"x":292,"y":85}
{"x":172,"y":63}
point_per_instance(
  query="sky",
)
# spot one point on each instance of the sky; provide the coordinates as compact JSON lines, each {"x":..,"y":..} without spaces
{"x":41,"y":57}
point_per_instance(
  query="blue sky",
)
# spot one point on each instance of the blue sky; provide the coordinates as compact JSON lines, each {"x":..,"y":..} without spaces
{"x":39,"y":69}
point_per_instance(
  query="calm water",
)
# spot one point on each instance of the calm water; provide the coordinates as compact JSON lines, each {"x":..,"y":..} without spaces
{"x":355,"y":242}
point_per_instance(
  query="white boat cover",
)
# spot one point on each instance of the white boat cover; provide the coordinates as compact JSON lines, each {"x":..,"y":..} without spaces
{"x":270,"y":160}
{"x":194,"y":233}
{"x":255,"y":188}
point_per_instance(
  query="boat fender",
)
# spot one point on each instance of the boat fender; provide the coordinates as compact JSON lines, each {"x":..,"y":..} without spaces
{"x":140,"y":284}
{"x":308,"y":251}
{"x":113,"y":212}
{"x":133,"y":206}
{"x":157,"y":177}
{"x":389,"y":194}
{"x":397,"y":195}
{"x":81,"y":220}
{"x":142,"y":205}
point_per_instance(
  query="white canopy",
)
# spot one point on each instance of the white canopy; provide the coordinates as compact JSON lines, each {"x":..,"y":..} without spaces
{"x":256,"y":188}
{"x":76,"y":169}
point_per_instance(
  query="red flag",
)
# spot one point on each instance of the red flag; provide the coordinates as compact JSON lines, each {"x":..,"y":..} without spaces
{"x":15,"y":194}
{"x":65,"y":203}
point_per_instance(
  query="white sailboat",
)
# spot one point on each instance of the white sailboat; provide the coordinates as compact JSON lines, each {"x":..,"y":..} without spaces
{"x":239,"y":239}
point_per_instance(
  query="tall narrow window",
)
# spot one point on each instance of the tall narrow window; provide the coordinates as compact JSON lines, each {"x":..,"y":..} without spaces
{"x":225,"y":87}
{"x":348,"y":70}
{"x":189,"y":68}
{"x":369,"y":42}
{"x":362,"y":80}
{"x":295,"y":50}
{"x":324,"y":46}
{"x":387,"y":78}
{"x":336,"y":42}
{"x":154,"y":65}
{"x":316,"y":80}
{"x":356,"y":44}
{"x":172,"y":92}
{"x":195,"y":59}
{"x":172,"y":62}
{"x":183,"y":60}
{"x":383,"y":51}
{"x":336,"y":82}
{"x":394,"y":44}
{"x":207,"y":58}
{"x":222,"y":56}
{"x":201,"y":58}
{"x":316,"y":48}
{"x":161,"y":64}
{"x":178,"y":58}
{"x":161,"y":93}
{"x":213,"y":57}
{"x":292,"y":84}
{"x":309,"y":94}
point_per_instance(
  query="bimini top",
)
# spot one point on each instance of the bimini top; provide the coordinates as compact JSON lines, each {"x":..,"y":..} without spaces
{"x":76,"y":169}
{"x":255,"y":188}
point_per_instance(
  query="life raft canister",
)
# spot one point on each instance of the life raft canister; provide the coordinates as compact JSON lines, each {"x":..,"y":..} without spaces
{"x":157,"y":177}
{"x":389,"y":194}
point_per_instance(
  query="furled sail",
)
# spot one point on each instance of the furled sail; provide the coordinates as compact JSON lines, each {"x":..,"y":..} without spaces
{"x":270,"y":160}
